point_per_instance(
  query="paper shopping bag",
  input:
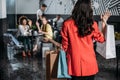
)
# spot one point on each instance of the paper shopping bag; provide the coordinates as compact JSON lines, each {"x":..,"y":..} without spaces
{"x":62,"y":66}
{"x":107,"y":49}
{"x":52,"y":65}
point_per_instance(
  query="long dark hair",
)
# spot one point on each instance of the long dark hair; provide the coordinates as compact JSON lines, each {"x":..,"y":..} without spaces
{"x":82,"y":14}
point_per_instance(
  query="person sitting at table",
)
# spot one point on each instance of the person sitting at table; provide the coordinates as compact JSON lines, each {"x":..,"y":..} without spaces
{"x":45,"y":29}
{"x":30,"y":23}
{"x":58,"y":22}
{"x":24,"y":32}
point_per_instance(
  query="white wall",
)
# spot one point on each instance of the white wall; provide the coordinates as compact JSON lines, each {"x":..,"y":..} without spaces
{"x":27,"y":6}
{"x":54,"y":6}
{"x":99,"y":6}
{"x":2,"y":9}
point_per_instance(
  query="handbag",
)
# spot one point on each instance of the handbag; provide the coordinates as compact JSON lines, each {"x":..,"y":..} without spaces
{"x":62,"y":65}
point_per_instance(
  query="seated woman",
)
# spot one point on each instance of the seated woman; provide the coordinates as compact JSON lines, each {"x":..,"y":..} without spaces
{"x":24,"y":32}
{"x":31,"y":25}
{"x":45,"y":29}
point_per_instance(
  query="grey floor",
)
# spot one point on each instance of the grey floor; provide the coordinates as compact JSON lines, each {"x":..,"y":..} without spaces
{"x":18,"y":68}
{"x":107,"y":69}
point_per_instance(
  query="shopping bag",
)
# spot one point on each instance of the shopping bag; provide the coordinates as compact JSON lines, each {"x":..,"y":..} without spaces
{"x":107,"y":49}
{"x":52,"y":65}
{"x":62,"y":65}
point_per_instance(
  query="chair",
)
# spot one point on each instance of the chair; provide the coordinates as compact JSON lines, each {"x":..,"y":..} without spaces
{"x":16,"y":42}
{"x":12,"y":45}
{"x":45,"y":47}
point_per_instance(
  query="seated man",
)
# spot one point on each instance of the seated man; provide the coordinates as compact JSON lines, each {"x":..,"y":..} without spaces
{"x":58,"y":22}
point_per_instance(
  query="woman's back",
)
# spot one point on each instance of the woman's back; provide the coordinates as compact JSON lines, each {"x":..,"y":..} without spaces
{"x":80,"y":49}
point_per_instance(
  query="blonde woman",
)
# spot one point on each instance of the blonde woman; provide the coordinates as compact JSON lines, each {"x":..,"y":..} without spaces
{"x":45,"y":29}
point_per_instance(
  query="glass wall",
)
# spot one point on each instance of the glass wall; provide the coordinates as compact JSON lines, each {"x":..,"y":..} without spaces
{"x":11,"y":13}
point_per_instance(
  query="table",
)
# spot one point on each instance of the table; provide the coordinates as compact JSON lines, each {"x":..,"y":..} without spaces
{"x":32,"y":38}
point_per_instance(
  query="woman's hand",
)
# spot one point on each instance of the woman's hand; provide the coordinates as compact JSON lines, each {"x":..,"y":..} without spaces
{"x":105,"y":16}
{"x":30,"y":22}
{"x":40,"y":31}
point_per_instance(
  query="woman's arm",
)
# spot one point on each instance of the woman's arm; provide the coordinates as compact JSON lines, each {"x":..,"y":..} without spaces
{"x":64,"y":35}
{"x":104,"y":18}
{"x":100,"y":35}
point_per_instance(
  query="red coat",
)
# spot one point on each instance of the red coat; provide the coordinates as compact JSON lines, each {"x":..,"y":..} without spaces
{"x":81,"y":58}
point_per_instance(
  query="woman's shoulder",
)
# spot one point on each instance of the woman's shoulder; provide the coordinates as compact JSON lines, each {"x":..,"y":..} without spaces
{"x":95,"y":22}
{"x":20,"y":25}
{"x":68,"y":21}
{"x":48,"y":24}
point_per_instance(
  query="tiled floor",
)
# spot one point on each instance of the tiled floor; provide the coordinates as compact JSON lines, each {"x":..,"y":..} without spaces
{"x":18,"y":68}
{"x":107,"y":69}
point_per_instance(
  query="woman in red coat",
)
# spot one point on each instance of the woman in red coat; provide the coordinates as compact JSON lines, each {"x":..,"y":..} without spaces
{"x":78,"y":33}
